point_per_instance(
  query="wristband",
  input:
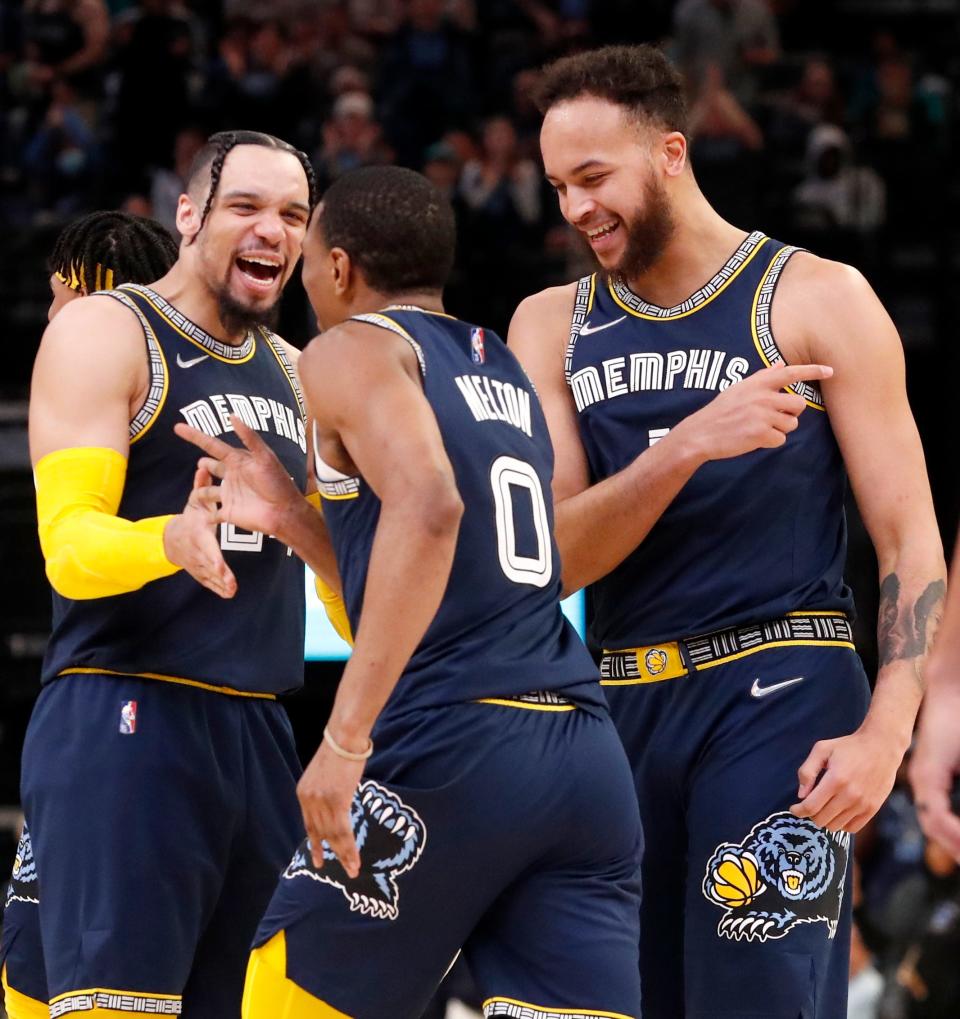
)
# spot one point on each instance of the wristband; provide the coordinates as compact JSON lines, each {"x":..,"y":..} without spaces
{"x":347,"y":755}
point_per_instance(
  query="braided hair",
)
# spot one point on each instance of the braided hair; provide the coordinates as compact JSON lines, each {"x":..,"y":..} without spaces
{"x":104,"y":249}
{"x":213,"y":155}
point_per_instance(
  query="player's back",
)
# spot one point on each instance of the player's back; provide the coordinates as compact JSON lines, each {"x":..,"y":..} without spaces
{"x":499,"y":631}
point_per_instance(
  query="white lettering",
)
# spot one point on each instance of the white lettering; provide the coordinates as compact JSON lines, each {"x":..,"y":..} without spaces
{"x":696,"y":369}
{"x":676,"y":362}
{"x":646,"y":372}
{"x":613,"y":375}
{"x":586,"y":387}
{"x":736,"y":370}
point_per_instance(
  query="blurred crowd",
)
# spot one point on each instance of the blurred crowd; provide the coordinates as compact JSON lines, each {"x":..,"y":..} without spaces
{"x":830,"y":129}
{"x":104,"y":102}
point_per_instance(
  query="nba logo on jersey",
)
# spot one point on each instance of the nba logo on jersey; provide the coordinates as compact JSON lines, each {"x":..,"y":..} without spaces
{"x":128,"y":718}
{"x":476,"y":346}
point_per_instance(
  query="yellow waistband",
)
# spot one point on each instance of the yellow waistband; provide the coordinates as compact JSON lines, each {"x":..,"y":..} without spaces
{"x":179,"y":680}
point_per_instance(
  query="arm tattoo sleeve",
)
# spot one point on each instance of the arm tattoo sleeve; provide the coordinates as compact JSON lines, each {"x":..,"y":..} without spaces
{"x":906,"y":630}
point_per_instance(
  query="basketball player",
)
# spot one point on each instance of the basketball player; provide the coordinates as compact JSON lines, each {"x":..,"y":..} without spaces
{"x":717,"y":588}
{"x":96,"y":252}
{"x":470,"y":789}
{"x":935,"y":763}
{"x":159,"y":771}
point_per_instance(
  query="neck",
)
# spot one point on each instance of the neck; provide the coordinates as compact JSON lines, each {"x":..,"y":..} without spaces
{"x":373,"y":300}
{"x":187,"y":293}
{"x":701,"y":242}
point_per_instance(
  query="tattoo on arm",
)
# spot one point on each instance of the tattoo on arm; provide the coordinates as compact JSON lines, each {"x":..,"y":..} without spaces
{"x":906,"y":631}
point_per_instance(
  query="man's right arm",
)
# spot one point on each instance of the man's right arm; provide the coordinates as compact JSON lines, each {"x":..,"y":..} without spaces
{"x":90,"y":372}
{"x":598,"y":526}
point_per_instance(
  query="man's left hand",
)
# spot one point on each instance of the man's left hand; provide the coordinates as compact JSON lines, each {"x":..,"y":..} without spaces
{"x":856,"y":774}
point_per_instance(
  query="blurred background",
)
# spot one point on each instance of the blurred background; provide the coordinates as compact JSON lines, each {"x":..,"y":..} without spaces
{"x":829,"y":125}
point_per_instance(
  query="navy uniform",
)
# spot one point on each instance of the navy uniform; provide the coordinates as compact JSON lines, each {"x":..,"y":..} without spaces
{"x":497,"y":812}
{"x":727,"y":654}
{"x":159,"y":770}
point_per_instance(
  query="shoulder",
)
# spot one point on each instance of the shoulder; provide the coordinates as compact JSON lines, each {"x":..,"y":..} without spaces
{"x":832,"y":304}
{"x":544,"y":317}
{"x":95,"y":324}
{"x":350,"y":344}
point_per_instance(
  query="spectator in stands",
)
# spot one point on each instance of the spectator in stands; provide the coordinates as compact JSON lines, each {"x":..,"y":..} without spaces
{"x":426,"y":82}
{"x":738,"y":36}
{"x":501,"y":185}
{"x":66,"y":40}
{"x":351,"y":138}
{"x":63,"y":159}
{"x":837,"y":194}
{"x":168,"y":184}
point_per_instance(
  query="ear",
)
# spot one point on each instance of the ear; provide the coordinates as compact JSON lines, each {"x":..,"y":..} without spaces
{"x":674,"y":153}
{"x":343,"y":271}
{"x":188,"y":218}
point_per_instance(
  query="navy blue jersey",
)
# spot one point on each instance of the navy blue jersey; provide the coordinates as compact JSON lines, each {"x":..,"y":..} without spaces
{"x":499,"y":631}
{"x":747,"y":539}
{"x":172,"y":627}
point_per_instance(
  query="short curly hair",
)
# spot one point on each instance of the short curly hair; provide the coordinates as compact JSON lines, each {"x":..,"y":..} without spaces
{"x":394,"y":224}
{"x":639,"y":78}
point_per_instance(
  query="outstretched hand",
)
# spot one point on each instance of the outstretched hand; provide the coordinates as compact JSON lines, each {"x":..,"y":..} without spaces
{"x":255,"y":491}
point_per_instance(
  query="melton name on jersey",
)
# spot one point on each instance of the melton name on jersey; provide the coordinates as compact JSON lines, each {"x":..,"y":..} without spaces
{"x":499,"y":631}
{"x":173,"y":628}
{"x":747,"y":539}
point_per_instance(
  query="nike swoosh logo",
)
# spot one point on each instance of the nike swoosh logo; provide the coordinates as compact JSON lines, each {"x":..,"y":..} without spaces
{"x":586,"y":330}
{"x":762,"y":691}
{"x":192,"y":361}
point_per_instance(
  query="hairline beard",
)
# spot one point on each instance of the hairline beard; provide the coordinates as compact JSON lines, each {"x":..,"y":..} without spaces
{"x":647,"y":236}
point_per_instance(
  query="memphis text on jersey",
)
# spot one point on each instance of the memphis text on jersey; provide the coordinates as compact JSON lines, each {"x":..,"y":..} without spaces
{"x":647,"y":371}
{"x":212,"y":416}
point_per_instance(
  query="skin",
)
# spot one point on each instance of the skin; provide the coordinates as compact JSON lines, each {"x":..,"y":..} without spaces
{"x":86,"y":394}
{"x":602,"y":163}
{"x":60,"y":296}
{"x":935,"y":763}
{"x":394,"y":443}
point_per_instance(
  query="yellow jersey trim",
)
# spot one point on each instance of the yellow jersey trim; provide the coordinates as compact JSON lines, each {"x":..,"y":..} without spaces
{"x":833,"y":613}
{"x":775,"y":267}
{"x":524,"y":706}
{"x":416,"y":307}
{"x":20,"y":1005}
{"x":549,"y":1009}
{"x":178,"y":680}
{"x":337,"y":498}
{"x":149,"y":298}
{"x":288,"y":368}
{"x":672,"y":316}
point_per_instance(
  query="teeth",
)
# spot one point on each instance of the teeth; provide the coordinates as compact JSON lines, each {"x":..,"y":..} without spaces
{"x":602,"y":231}
{"x":260,"y":261}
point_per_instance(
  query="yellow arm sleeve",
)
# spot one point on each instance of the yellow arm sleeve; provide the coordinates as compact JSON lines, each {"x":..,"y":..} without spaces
{"x":90,"y":552}
{"x":332,"y":602}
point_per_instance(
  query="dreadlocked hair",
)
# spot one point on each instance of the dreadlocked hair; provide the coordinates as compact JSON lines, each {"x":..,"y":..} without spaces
{"x":104,"y":249}
{"x":211,"y":157}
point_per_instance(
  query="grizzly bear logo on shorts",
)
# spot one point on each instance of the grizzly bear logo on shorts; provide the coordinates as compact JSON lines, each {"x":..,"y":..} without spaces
{"x":390,"y":837}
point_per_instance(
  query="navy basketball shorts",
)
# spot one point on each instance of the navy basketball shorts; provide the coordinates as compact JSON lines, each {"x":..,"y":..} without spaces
{"x":746,"y":908}
{"x":509,"y":832}
{"x":160,"y":816}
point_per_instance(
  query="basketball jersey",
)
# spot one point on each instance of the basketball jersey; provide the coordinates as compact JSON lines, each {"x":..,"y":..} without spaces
{"x":172,"y":628}
{"x":746,"y":539}
{"x":499,"y":631}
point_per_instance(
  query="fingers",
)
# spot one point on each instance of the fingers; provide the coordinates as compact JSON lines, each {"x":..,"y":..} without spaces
{"x":213,"y":467}
{"x":342,"y":842}
{"x":248,"y":436}
{"x":941,"y":825}
{"x":789,"y":374}
{"x":817,"y":805}
{"x":214,"y":447}
{"x":809,"y":771}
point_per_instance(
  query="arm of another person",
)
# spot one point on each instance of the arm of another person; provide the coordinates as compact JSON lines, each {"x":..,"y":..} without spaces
{"x":90,"y":374}
{"x":364,"y":385}
{"x":598,"y":526}
{"x":829,"y":310}
{"x":935,"y":764}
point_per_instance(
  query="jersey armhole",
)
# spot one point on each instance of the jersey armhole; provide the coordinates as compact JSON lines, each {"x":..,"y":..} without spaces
{"x":385,"y":322}
{"x":761,"y":324}
{"x":582,"y":306}
{"x":149,"y":410}
{"x":277,"y":349}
